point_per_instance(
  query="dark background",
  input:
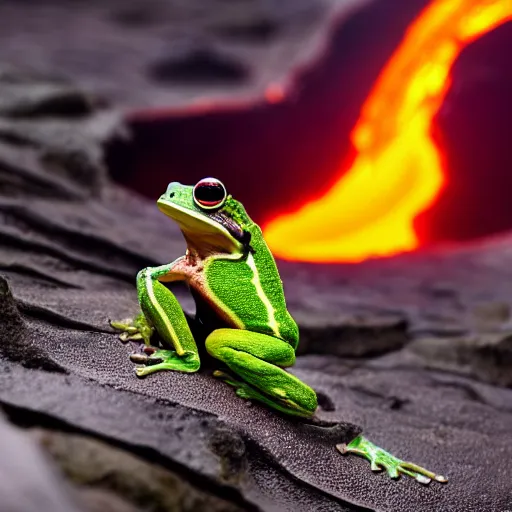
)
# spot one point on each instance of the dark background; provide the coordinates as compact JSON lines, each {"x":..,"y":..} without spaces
{"x":276,"y":156}
{"x":157,"y":60}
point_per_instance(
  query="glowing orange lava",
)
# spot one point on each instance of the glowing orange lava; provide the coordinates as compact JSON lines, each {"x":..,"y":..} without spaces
{"x":397,"y":172}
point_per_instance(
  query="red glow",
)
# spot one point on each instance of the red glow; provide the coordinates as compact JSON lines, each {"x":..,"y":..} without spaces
{"x":274,"y":93}
{"x":397,"y":172}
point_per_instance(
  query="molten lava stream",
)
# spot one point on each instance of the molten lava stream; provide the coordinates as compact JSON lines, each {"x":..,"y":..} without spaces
{"x":397,"y":172}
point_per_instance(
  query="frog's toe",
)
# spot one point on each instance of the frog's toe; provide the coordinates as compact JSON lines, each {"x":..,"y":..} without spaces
{"x":142,"y":371}
{"x":121,"y":325}
{"x":245,"y":392}
{"x":148,"y":366}
{"x":126,"y":336}
{"x":375,"y":467}
{"x":148,"y":357}
{"x":421,"y":475}
{"x":141,"y":358}
{"x":145,"y":333}
{"x":391,"y":470}
{"x":138,"y":358}
{"x":134,"y":329}
{"x":228,"y":379}
{"x":242,"y":389}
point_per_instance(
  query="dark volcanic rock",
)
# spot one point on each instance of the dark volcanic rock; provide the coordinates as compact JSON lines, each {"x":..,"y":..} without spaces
{"x":28,"y":483}
{"x":70,"y":253}
{"x":452,"y":305}
{"x":90,"y":463}
{"x":486,"y":356}
{"x":29,"y":95}
{"x":352,"y":335}
{"x":198,"y":66}
{"x":160,"y":53}
{"x":17,"y":343}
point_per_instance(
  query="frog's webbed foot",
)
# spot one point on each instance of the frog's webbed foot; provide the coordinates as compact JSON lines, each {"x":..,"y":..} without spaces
{"x":246,"y":391}
{"x":383,"y":460}
{"x":157,"y":360}
{"x":134,"y":329}
{"x":242,"y":389}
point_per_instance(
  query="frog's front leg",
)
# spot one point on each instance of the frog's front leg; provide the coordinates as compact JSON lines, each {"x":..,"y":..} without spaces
{"x":258,"y":359}
{"x":162,"y":311}
{"x":140,"y":327}
{"x":381,"y":459}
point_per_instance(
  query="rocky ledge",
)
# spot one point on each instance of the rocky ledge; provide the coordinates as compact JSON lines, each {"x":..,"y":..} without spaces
{"x":415,"y":350}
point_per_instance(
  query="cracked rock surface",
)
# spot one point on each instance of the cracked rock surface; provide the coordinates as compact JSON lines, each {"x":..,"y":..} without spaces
{"x":415,"y":350}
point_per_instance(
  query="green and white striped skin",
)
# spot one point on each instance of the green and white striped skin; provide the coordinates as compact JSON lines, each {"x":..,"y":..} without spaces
{"x":228,"y":265}
{"x":230,"y":268}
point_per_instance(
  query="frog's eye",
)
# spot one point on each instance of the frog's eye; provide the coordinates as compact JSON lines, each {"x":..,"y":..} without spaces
{"x":209,"y":194}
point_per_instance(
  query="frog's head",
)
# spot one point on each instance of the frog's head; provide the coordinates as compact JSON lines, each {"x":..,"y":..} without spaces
{"x":208,"y":217}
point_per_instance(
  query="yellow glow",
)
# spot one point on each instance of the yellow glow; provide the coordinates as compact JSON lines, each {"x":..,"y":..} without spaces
{"x":397,"y":172}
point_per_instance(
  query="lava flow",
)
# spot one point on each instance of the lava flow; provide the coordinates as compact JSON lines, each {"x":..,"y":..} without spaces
{"x":397,"y":172}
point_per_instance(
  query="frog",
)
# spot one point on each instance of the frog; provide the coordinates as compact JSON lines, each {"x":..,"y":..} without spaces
{"x":235,"y":282}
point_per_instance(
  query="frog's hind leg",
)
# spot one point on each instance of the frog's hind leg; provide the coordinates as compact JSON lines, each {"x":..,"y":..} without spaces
{"x":258,"y":360}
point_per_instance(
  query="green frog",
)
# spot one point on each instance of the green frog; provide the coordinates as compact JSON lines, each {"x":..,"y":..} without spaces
{"x":234,"y":279}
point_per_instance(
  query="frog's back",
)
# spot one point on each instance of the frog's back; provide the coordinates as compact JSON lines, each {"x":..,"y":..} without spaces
{"x":251,"y":291}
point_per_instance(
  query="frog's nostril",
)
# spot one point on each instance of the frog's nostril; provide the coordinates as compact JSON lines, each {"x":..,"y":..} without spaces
{"x":170,"y":188}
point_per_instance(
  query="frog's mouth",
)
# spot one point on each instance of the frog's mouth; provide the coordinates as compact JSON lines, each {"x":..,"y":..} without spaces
{"x":213,"y":231}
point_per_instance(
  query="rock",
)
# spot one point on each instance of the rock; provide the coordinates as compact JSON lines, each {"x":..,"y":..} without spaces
{"x":28,"y":482}
{"x":156,"y":53}
{"x":99,"y":501}
{"x":487,"y":356}
{"x":121,"y":479}
{"x":230,"y":447}
{"x":17,"y":343}
{"x":491,"y":314}
{"x":452,"y":306}
{"x":25,"y":94}
{"x":198,"y":66}
{"x":356,"y":335}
